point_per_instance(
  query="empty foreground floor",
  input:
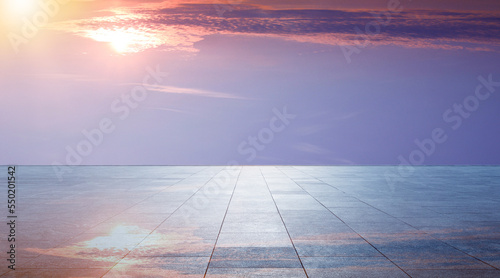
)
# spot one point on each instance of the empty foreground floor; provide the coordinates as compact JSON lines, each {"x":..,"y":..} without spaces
{"x":268,"y":221}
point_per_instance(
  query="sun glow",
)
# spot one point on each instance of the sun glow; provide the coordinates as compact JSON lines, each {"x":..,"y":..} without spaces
{"x":21,"y":6}
{"x":116,"y":240}
{"x":128,"y":33}
{"x":121,"y":42}
{"x":124,"y":40}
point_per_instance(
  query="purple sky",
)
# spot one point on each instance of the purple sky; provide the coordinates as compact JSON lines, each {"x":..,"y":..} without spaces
{"x":360,"y":80}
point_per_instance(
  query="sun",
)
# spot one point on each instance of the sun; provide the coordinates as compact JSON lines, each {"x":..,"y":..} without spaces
{"x":121,"y":42}
{"x":21,"y":7}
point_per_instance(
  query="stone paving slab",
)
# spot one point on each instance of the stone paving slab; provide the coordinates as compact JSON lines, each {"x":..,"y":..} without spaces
{"x":255,"y":221}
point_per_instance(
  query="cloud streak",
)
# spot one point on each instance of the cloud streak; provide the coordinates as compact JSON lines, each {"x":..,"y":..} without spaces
{"x":167,"y":109}
{"x":310,"y":148}
{"x":179,"y":27}
{"x":190,"y":91}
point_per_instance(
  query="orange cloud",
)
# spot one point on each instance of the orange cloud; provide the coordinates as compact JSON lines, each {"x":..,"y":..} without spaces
{"x":179,"y":27}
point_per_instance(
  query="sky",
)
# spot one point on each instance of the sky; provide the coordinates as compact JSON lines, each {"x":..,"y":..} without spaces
{"x":249,"y":82}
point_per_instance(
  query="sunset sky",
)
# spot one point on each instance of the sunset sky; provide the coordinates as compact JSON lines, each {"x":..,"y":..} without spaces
{"x":209,"y":82}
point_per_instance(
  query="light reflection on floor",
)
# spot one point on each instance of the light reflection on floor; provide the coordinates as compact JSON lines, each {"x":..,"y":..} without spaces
{"x":263,"y":221}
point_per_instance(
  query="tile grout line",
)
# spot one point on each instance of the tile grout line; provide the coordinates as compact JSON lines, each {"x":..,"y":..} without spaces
{"x":435,"y":238}
{"x":103,"y":221}
{"x":417,"y":229}
{"x":281,"y":217}
{"x":222,"y":223}
{"x":344,"y":222}
{"x":164,"y":219}
{"x":284,"y":179}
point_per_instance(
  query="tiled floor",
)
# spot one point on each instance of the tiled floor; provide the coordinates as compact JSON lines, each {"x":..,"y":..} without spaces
{"x":256,"y":221}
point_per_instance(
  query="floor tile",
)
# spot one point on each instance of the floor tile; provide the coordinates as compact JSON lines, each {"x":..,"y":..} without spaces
{"x":350,"y":267}
{"x":255,"y":257}
{"x":256,"y":272}
{"x":333,"y":248}
{"x":256,"y":221}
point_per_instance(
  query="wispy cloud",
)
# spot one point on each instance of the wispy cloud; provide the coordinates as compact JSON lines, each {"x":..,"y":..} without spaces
{"x":310,"y":148}
{"x":321,"y":127}
{"x":166,"y":109}
{"x":347,"y":116}
{"x":191,"y":92}
{"x":342,"y":161}
{"x":64,"y":76}
{"x":311,"y":129}
{"x":179,"y":27}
